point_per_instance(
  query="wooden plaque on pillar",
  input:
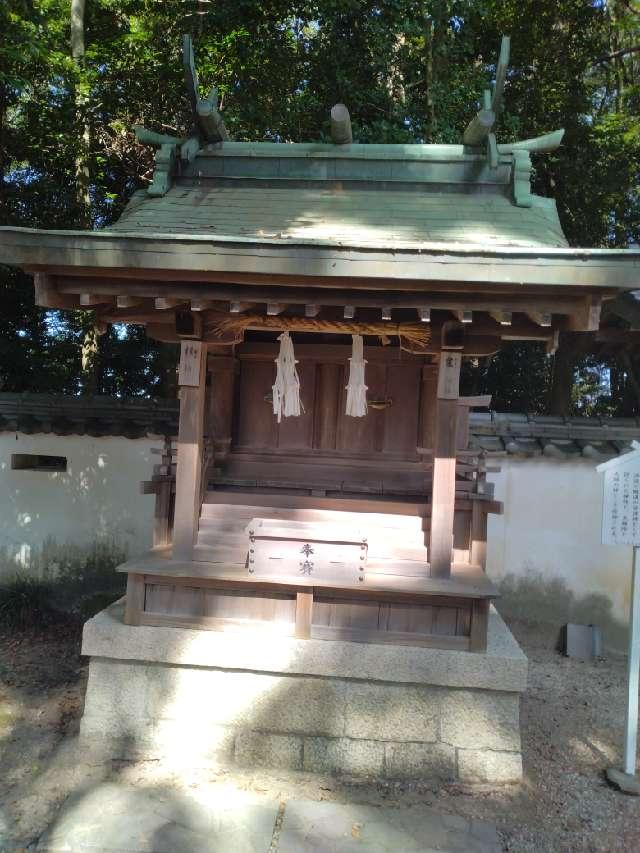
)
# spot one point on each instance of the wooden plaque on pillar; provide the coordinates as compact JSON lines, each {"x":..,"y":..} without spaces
{"x":449,"y":376}
{"x":190,"y":363}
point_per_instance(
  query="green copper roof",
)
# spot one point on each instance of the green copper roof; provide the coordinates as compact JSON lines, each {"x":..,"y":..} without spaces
{"x":344,"y":193}
{"x":345,"y":215}
{"x":382,"y":196}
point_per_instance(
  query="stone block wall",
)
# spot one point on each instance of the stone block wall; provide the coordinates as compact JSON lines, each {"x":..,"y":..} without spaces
{"x":199,"y":715}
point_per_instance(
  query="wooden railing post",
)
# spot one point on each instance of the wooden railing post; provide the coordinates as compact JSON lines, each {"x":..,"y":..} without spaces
{"x":478,"y":529}
{"x":192,"y":382}
{"x":161,"y":519}
{"x":162,"y":511}
{"x":443,"y":494}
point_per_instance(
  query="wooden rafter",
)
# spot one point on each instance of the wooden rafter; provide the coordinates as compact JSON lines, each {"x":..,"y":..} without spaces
{"x":88,"y":300}
{"x":124,"y":300}
{"x":162,"y":303}
{"x":442,"y":299}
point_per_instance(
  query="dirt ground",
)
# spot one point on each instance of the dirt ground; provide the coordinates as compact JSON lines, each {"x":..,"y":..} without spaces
{"x":572,"y":717}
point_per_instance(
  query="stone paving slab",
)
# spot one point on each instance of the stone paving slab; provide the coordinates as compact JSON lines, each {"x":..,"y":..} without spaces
{"x":312,"y":827}
{"x":118,"y":818}
{"x":125,"y":819}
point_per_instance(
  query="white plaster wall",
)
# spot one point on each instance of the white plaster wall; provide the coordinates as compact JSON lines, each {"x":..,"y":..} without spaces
{"x":551,"y":526}
{"x":97,"y":498}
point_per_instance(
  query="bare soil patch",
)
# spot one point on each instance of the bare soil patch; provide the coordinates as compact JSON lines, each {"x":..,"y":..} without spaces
{"x":572,"y":717}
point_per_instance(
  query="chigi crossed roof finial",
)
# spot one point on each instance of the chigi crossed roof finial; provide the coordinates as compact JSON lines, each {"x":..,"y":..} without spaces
{"x":208,"y":127}
{"x":208,"y":122}
{"x":480,"y":130}
{"x":175,"y":155}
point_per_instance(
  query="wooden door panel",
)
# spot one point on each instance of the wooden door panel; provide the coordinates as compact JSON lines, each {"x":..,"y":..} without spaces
{"x":297,"y":433}
{"x":401,"y":418}
{"x":324,"y":424}
{"x":358,"y":435}
{"x":257,"y":426}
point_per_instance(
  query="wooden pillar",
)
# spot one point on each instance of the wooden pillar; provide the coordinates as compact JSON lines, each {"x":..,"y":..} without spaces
{"x":304,"y":610}
{"x":478,"y":528}
{"x":478,"y":535}
{"x":443,"y":495}
{"x":462,"y":429}
{"x":192,"y":381}
{"x":479,"y":625}
{"x":428,"y":399}
{"x":134,"y":606}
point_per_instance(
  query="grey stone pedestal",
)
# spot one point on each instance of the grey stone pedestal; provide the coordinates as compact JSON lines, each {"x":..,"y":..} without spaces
{"x":199,"y":698}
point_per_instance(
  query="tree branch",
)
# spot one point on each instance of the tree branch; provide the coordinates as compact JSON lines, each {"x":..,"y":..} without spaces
{"x":609,"y":57}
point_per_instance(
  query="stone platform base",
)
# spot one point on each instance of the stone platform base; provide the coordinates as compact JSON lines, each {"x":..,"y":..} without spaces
{"x":198,"y":698}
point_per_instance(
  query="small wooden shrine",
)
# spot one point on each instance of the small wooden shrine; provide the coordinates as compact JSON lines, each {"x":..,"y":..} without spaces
{"x":289,"y":507}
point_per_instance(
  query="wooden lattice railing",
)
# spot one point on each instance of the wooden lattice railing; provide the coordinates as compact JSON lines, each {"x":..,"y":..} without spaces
{"x":163,"y":485}
{"x":473,"y":498}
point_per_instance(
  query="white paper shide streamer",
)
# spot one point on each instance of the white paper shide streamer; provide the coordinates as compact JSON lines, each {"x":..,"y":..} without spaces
{"x":286,"y":391}
{"x":356,"y":389}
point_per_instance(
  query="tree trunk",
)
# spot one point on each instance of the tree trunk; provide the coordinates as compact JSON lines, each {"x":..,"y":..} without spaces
{"x":572,"y":346}
{"x":82,"y":160}
{"x":395,"y":77}
{"x":4,"y":163}
{"x":631,"y":389}
{"x":90,"y":349}
{"x":90,"y":343}
{"x":437,"y":24}
{"x":431,"y":109}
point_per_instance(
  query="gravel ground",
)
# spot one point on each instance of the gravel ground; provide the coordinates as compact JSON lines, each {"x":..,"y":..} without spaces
{"x":572,"y":718}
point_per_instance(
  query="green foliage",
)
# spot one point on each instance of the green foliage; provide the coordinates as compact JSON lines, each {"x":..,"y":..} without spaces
{"x":409,"y":70}
{"x":66,"y":583}
{"x":518,"y":377}
{"x":80,"y":573}
{"x":26,"y":603}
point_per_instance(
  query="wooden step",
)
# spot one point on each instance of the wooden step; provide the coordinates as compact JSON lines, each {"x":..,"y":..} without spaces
{"x":408,"y":531}
{"x":236,"y":539}
{"x":222,"y":526}
{"x":301,"y":504}
{"x":227,"y":555}
{"x":396,"y":541}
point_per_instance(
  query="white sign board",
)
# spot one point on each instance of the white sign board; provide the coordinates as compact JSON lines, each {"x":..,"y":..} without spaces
{"x":621,"y":504}
{"x":621,"y":526}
